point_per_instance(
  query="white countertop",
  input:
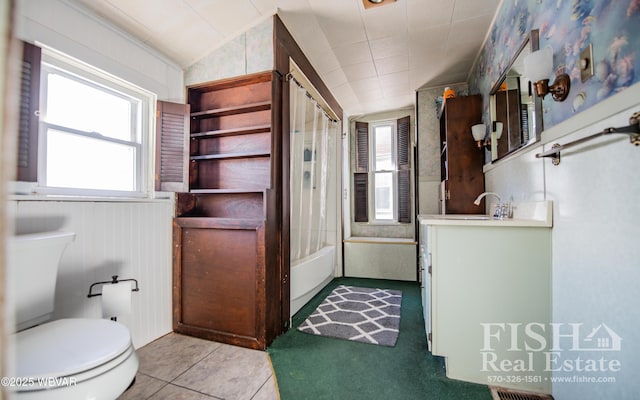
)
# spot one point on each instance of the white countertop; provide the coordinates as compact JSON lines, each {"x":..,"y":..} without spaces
{"x":525,"y":214}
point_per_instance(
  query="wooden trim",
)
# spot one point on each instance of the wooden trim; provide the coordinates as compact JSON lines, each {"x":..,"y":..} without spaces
{"x":285,"y":47}
{"x":229,"y":83}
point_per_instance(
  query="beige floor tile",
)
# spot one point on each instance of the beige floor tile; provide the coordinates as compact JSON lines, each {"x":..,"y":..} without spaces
{"x":172,"y":392}
{"x":143,"y":388}
{"x":230,"y":372}
{"x":173,"y":354}
{"x":268,"y":391}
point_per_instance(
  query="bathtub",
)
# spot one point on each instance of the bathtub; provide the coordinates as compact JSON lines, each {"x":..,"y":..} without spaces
{"x":309,"y":275}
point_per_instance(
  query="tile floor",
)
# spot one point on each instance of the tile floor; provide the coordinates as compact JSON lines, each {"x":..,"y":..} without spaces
{"x":183,"y":367}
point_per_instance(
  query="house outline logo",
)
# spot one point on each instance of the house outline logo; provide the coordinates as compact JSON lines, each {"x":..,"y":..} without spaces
{"x":602,"y":338}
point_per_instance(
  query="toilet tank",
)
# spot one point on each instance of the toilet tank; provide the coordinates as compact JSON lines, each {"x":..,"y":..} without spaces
{"x":33,"y":260}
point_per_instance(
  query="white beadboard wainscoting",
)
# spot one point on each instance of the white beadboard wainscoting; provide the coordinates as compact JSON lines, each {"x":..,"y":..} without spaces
{"x":131,"y":239}
{"x":380,"y":258}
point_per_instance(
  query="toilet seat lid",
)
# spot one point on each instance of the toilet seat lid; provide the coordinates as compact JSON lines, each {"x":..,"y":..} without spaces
{"x":69,"y":346}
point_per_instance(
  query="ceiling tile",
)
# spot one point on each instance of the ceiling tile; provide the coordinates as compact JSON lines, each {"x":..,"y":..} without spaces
{"x":367,"y":58}
{"x":340,"y":21}
{"x":467,"y":30}
{"x":354,"y":53}
{"x":392,"y":64}
{"x":119,"y":17}
{"x":390,"y":46}
{"x":227,"y":17}
{"x":334,"y":78}
{"x":171,"y":13}
{"x":422,"y":14}
{"x":377,"y":20}
{"x":360,"y":71}
{"x":465,"y":9}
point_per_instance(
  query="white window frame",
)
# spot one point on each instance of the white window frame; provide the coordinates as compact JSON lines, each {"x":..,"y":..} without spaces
{"x":143,"y":123}
{"x":374,"y":171}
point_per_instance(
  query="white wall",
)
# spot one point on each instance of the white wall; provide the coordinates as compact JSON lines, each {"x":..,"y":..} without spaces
{"x":595,"y":191}
{"x":71,"y":29}
{"x":128,"y":238}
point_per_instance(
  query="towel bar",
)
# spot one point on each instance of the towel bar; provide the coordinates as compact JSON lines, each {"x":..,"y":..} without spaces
{"x":633,"y":130}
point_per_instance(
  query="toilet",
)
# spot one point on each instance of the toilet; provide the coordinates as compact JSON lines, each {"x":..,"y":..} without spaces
{"x":73,"y":358}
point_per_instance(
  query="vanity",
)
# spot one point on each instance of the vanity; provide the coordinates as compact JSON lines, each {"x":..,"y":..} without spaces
{"x":485,"y":281}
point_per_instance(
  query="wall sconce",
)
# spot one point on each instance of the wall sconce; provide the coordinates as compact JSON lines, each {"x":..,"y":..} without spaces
{"x":497,"y":129}
{"x":479,"y":132}
{"x":538,"y":65}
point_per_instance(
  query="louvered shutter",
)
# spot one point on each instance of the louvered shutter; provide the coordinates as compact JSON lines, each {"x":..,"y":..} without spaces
{"x":172,"y":141}
{"x":403,"y":131}
{"x":362,"y":147}
{"x":27,"y":170}
{"x":361,"y":196}
{"x":361,"y":176}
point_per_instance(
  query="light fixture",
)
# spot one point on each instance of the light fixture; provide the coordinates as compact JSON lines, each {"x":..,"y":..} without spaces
{"x":538,"y":66}
{"x":375,"y":3}
{"x":478,"y":131}
{"x":497,"y":129}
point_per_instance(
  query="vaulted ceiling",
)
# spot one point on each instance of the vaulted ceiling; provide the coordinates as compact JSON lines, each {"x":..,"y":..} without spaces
{"x":371,"y":59}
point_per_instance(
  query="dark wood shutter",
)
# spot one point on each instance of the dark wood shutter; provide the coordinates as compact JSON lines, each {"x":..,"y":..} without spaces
{"x":172,"y":141}
{"x":361,"y":196}
{"x":403,"y":140}
{"x":362,"y":147}
{"x":29,"y":105}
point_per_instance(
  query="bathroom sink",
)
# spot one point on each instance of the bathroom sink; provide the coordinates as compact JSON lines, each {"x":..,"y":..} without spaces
{"x":531,"y":214}
{"x":471,"y":217}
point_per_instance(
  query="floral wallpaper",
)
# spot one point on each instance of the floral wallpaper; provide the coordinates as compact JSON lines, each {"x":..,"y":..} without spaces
{"x":568,"y":26}
{"x":245,"y":54}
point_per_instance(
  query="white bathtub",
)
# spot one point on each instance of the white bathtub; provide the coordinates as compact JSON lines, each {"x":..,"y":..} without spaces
{"x":309,"y":275}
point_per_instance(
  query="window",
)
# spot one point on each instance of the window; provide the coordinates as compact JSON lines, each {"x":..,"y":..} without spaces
{"x":384,"y":170}
{"x":384,"y":146}
{"x":93,"y":131}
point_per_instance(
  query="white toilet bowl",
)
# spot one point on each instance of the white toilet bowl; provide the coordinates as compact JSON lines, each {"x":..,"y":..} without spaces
{"x":75,"y":358}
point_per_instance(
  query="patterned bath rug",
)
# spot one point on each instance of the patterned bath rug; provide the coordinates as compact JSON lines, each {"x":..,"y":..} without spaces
{"x":359,"y":314}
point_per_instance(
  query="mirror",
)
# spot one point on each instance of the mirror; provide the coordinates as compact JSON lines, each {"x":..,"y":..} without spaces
{"x":515,"y":106}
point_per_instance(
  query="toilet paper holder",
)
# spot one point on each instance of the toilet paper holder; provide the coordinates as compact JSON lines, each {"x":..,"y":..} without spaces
{"x":114,"y":279}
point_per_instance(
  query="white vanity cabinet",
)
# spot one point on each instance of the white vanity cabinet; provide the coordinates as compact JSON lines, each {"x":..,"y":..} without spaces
{"x":489,"y":281}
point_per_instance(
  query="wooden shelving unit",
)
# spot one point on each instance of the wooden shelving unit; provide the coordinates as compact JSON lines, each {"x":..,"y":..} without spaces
{"x":460,"y":159}
{"x":227,"y":274}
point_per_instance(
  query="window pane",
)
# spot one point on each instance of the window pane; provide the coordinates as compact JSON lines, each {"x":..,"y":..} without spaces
{"x":384,"y":147}
{"x":384,"y":195}
{"x":76,"y":105}
{"x":75,"y":161}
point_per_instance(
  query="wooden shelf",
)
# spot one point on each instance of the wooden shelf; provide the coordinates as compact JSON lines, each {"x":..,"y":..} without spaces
{"x":244,"y":108}
{"x":225,"y":191}
{"x":220,"y":223}
{"x":248,"y":154}
{"x":232,"y":132}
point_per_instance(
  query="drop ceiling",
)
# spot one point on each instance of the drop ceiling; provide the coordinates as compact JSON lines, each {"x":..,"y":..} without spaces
{"x":372,"y":60}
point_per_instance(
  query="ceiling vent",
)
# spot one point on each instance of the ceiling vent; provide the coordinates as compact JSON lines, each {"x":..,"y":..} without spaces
{"x":376,"y":3}
{"x":499,"y":393}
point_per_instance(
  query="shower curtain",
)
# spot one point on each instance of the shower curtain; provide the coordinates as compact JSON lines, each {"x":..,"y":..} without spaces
{"x":312,"y":132}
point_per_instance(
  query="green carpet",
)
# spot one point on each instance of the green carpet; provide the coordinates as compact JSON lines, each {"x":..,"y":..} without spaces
{"x":316,"y":368}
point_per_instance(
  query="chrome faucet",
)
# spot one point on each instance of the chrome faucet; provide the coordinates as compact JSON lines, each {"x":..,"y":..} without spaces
{"x":477,"y":200}
{"x":502,"y":210}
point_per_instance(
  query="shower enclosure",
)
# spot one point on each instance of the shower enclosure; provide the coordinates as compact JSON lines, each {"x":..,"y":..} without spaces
{"x":313,"y":196}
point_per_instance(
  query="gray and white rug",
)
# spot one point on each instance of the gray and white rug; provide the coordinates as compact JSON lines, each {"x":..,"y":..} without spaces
{"x":359,"y":314}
